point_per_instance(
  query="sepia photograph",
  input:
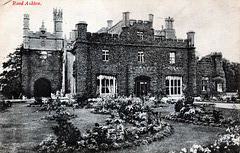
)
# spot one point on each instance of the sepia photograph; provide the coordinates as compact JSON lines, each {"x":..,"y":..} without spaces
{"x":120,"y":76}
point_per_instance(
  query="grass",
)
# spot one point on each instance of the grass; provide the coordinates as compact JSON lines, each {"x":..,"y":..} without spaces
{"x":22,"y":129}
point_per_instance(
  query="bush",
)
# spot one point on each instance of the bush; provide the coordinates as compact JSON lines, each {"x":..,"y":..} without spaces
{"x":178,"y":105}
{"x":189,"y":100}
{"x":82,"y":100}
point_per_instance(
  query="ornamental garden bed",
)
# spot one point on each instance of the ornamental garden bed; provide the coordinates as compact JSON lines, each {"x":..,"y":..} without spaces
{"x":131,"y":124}
{"x":226,"y":143}
{"x":134,"y":123}
{"x":203,"y":115}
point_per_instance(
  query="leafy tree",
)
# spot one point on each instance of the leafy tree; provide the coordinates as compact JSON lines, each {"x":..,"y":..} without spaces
{"x":10,"y":78}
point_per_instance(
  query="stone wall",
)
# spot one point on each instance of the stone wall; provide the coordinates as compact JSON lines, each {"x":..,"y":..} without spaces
{"x":123,"y":60}
{"x":211,"y":66}
{"x":34,"y":68}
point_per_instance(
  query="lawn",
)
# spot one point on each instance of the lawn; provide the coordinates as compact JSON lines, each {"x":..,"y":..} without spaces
{"x":22,"y":128}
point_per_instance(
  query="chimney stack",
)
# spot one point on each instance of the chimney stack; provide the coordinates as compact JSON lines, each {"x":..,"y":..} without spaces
{"x":81,"y":30}
{"x":109,"y":22}
{"x":150,"y":16}
{"x":126,"y":19}
{"x":190,"y":37}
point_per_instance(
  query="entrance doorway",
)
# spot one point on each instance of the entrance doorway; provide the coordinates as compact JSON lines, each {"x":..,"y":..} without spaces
{"x":42,"y":88}
{"x":142,"y":85}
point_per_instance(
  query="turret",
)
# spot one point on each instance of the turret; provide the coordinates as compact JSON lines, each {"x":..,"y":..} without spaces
{"x":190,"y":37}
{"x":169,"y":23}
{"x":81,"y":30}
{"x":42,"y":29}
{"x":25,"y":24}
{"x":25,"y":31}
{"x":57,"y":18}
{"x":170,"y":32}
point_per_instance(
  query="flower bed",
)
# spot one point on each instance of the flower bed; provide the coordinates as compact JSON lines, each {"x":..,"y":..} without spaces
{"x":131,"y":124}
{"x":200,"y":116}
{"x":227,"y":143}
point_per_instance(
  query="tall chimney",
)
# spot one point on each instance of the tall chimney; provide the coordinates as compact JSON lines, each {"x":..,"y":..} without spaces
{"x":150,"y":16}
{"x":81,"y":30}
{"x":190,"y":37}
{"x":109,"y":22}
{"x":126,"y":19}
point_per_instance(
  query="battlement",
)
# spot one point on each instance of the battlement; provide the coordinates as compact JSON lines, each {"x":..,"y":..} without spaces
{"x":26,"y":16}
{"x":39,"y":34}
{"x":115,"y":38}
{"x":57,"y":14}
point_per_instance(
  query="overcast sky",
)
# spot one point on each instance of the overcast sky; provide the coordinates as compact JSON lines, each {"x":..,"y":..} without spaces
{"x":216,"y":22}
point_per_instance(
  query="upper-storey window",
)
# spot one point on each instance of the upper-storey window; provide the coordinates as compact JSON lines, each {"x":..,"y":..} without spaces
{"x":140,"y":35}
{"x":105,"y":55}
{"x":172,"y":58}
{"x":140,"y":57}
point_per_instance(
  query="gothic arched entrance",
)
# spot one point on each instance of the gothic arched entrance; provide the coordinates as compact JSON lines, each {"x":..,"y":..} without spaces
{"x":142,"y":85}
{"x":42,"y":88}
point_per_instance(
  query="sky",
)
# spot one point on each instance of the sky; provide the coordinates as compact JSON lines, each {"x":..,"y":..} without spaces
{"x":216,"y":23}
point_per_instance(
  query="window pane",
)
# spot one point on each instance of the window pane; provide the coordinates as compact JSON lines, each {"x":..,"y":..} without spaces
{"x":171,"y":82}
{"x":167,"y":82}
{"x":179,"y":90}
{"x":103,"y":82}
{"x":175,"y":90}
{"x":167,"y":91}
{"x":111,"y":82}
{"x":103,"y":90}
{"x":171,"y":90}
{"x":179,"y":83}
{"x":175,"y":82}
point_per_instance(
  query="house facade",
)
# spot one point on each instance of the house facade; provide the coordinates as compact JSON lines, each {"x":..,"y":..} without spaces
{"x":133,"y":58}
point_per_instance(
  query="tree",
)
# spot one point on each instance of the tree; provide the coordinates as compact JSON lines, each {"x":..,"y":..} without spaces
{"x":10,"y":78}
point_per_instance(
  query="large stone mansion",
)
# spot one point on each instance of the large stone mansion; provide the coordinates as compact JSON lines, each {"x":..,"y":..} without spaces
{"x":128,"y":58}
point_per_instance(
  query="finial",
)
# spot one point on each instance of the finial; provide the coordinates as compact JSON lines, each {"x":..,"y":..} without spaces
{"x":42,"y":24}
{"x":43,"y":29}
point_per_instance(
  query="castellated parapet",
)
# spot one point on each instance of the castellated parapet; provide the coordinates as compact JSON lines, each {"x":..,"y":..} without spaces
{"x":129,"y":36}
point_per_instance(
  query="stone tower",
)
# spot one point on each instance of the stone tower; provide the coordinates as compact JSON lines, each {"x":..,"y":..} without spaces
{"x":57,"y":18}
{"x":170,"y":32}
{"x":25,"y":30}
{"x":42,"y":58}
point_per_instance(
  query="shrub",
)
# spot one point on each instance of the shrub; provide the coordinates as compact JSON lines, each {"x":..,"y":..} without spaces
{"x":178,"y":106}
